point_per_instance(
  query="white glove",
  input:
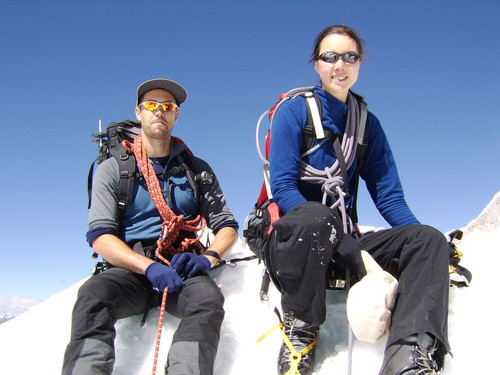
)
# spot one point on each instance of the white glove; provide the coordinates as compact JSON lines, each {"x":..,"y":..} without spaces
{"x":370,"y":301}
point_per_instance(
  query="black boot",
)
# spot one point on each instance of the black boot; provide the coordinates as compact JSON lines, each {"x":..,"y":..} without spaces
{"x":418,"y":354}
{"x":303,"y":338}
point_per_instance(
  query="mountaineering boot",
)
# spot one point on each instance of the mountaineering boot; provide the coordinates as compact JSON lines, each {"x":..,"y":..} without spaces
{"x":418,"y":354}
{"x":296,"y":355}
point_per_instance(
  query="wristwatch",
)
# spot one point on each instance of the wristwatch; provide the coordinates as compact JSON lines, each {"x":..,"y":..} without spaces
{"x":215,"y":255}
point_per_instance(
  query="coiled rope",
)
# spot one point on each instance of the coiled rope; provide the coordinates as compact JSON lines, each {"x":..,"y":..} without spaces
{"x":331,"y":178}
{"x":172,"y":224}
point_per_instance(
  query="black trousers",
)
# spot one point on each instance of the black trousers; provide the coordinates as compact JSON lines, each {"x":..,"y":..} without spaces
{"x":307,"y":238}
{"x":118,"y":293}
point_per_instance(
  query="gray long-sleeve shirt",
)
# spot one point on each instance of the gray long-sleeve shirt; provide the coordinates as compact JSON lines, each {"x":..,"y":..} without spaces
{"x":141,"y":219}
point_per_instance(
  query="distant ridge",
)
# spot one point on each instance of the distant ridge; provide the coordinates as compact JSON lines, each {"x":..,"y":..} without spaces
{"x":13,"y":306}
{"x":489,"y":218}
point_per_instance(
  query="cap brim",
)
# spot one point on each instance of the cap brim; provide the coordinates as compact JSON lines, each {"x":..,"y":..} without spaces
{"x":179,"y":92}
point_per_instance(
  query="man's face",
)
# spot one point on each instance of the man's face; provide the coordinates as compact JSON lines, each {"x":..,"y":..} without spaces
{"x":157,"y":124}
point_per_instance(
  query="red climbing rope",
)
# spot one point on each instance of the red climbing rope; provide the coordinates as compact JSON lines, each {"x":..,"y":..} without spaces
{"x":160,"y":328}
{"x":172,"y":224}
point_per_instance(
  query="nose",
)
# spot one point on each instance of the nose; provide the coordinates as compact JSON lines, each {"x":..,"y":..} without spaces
{"x":339,"y":65}
{"x":159,"y":112}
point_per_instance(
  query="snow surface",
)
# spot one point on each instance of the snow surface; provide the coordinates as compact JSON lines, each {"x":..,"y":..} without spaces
{"x":34,"y":342}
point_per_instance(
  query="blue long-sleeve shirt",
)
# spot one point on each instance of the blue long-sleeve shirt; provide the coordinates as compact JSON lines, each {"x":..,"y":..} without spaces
{"x":380,"y":173}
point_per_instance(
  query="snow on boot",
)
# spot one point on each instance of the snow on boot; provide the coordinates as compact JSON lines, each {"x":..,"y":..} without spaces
{"x":296,"y":355}
{"x":414,"y":355}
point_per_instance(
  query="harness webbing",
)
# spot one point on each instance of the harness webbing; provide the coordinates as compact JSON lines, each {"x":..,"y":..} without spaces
{"x":172,"y":224}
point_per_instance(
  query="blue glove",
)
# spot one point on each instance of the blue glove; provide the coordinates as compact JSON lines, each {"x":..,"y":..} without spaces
{"x":189,"y":264}
{"x":161,"y":276}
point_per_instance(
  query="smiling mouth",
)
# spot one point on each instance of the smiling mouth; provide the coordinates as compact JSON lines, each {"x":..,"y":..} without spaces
{"x":339,"y":78}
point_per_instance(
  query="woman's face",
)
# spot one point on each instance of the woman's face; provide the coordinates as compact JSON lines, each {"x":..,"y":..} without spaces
{"x":337,"y":78}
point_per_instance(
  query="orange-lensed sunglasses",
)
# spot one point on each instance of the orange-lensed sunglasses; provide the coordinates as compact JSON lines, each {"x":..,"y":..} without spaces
{"x":151,"y":105}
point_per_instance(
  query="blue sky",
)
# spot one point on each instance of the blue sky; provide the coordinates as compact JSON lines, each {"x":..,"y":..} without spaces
{"x":431,"y":76}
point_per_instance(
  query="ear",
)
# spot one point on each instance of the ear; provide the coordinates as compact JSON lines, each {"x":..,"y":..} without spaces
{"x":316,"y":65}
{"x":177,"y":111}
{"x":138,"y":113}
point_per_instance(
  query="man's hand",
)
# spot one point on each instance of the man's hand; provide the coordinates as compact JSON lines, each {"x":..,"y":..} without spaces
{"x":189,"y":264}
{"x":163,"y":276}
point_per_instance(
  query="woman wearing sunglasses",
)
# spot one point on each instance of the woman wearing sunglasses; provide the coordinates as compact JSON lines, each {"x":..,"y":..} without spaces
{"x":311,"y":231}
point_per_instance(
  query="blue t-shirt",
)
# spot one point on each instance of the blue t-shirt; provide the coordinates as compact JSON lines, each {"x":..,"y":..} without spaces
{"x":141,"y":219}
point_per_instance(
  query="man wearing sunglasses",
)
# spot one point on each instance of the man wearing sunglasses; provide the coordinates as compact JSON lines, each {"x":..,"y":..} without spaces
{"x":152,"y":246}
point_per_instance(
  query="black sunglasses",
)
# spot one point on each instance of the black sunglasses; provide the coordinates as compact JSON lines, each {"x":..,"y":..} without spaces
{"x":332,"y":57}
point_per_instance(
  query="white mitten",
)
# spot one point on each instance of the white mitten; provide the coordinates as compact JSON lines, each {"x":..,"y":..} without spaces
{"x":370,"y":301}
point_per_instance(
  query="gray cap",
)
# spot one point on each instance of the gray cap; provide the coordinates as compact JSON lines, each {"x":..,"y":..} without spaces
{"x":179,"y":92}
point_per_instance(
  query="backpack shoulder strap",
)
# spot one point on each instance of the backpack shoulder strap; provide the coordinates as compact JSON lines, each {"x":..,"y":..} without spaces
{"x":110,"y":146}
{"x":194,"y":177}
{"x":314,"y":113}
{"x":314,"y":128}
{"x":362,"y":138}
{"x":127,"y":173}
{"x":126,"y":167}
{"x":362,"y":146}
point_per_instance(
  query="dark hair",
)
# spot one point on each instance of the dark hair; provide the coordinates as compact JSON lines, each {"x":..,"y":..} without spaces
{"x":336,"y":29}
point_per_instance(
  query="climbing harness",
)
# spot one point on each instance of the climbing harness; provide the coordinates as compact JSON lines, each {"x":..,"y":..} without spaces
{"x":172,"y":224}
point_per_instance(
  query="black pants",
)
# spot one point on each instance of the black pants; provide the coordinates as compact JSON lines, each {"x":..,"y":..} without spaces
{"x":117,"y":293}
{"x":305,"y":240}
